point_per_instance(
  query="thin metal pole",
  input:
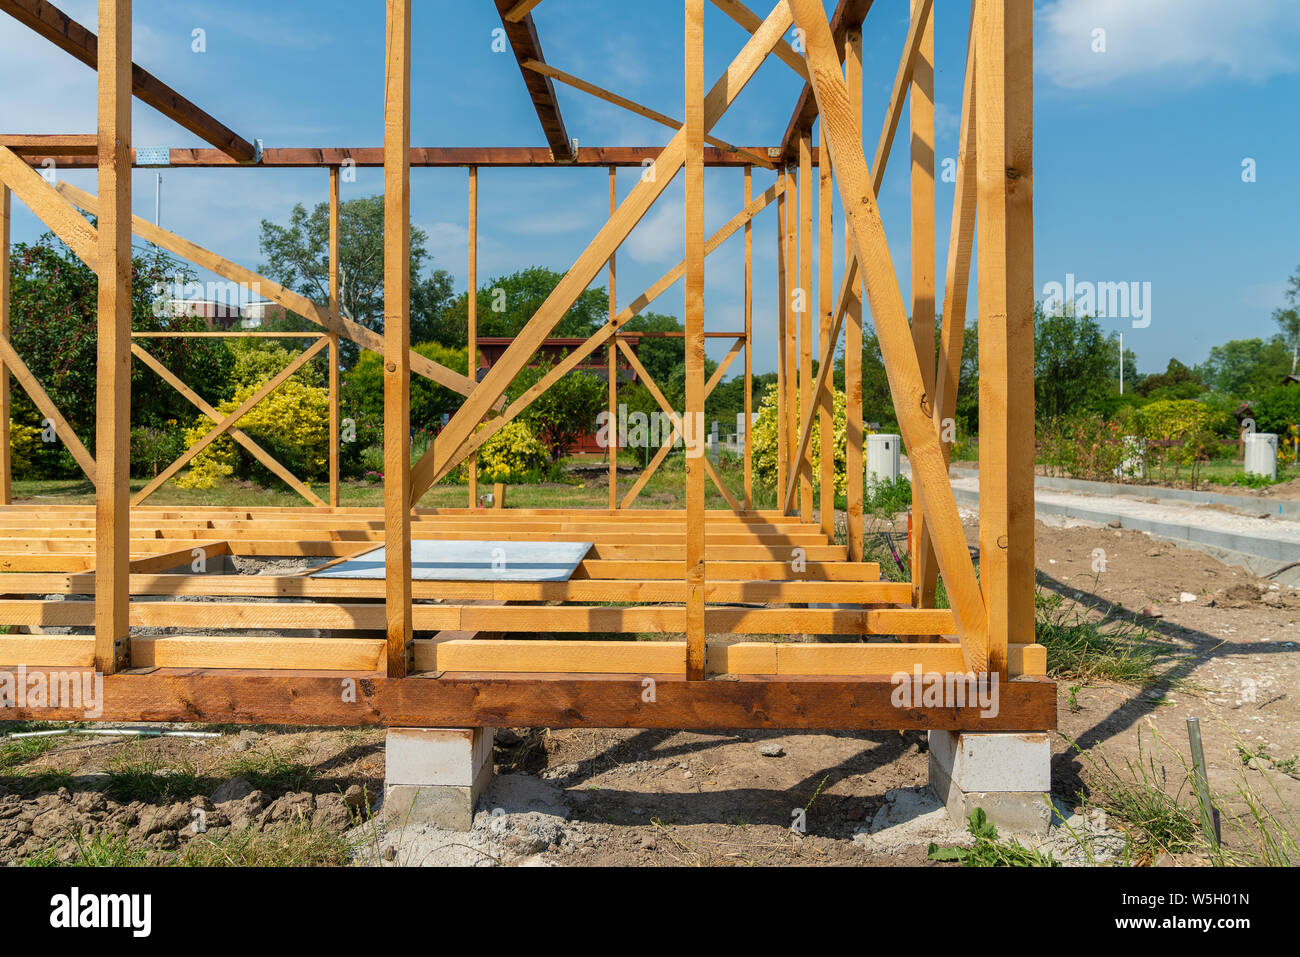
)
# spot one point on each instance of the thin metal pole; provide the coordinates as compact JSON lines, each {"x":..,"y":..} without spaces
{"x":1201,"y":782}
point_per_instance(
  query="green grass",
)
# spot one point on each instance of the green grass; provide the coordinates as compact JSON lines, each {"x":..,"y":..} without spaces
{"x":271,"y":770}
{"x":135,"y":778}
{"x":1107,"y":649}
{"x":297,"y":845}
{"x":16,"y":752}
{"x":100,"y":850}
{"x":989,"y":850}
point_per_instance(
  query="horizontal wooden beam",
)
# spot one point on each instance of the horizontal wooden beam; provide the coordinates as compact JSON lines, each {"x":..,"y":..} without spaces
{"x":372,"y":156}
{"x":71,"y":37}
{"x":557,"y":701}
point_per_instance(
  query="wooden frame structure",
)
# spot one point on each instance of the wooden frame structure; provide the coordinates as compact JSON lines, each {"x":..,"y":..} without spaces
{"x":721,"y":592}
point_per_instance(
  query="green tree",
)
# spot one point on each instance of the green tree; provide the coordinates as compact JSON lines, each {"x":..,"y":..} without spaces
{"x":563,"y":413}
{"x":297,"y":256}
{"x":506,"y":303}
{"x":1176,"y":382}
{"x":1246,"y":368}
{"x":660,"y":356}
{"x":1074,"y":364}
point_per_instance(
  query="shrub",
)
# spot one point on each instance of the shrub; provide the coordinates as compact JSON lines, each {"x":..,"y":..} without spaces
{"x":292,"y":424}
{"x":767,"y":430}
{"x":1179,"y":434}
{"x":24,"y":447}
{"x":152,"y":449}
{"x":513,"y":454}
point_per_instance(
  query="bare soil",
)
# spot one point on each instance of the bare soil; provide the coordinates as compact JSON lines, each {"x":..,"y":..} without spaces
{"x":670,"y":798}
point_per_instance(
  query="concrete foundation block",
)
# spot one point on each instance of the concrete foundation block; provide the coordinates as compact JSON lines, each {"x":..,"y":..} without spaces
{"x":1006,"y":774}
{"x":435,"y":775}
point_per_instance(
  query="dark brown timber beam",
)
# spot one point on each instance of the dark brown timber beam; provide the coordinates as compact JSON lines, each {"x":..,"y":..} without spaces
{"x":848,"y":15}
{"x":69,"y":35}
{"x":551,"y":700}
{"x":295,"y":157}
{"x":522,"y":35}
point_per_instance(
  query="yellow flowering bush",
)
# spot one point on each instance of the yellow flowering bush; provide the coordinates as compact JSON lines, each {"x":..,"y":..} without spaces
{"x":24,"y":443}
{"x":513,"y":454}
{"x":292,"y":424}
{"x":766,"y":431}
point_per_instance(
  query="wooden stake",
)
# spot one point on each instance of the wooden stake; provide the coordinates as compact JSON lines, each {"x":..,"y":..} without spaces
{"x":333,"y":354}
{"x":695,"y":454}
{"x":6,"y":468}
{"x":471,"y":309}
{"x":113,"y":354}
{"x":749,"y":346}
{"x":853,"y":463}
{"x":397,"y":336}
{"x":782,"y":309}
{"x":1004,"y":156}
{"x":921,"y":102}
{"x":611,"y":358}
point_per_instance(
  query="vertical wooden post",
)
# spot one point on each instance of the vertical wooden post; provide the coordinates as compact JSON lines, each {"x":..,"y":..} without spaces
{"x":805,"y":319}
{"x":333,"y":353}
{"x":853,"y":463}
{"x":695,"y":515}
{"x":471,"y":312}
{"x":782,"y":309}
{"x":749,"y":343}
{"x":921,"y":106}
{"x":825,"y":319}
{"x":6,"y":466}
{"x":397,"y":335}
{"x":1005,"y":231}
{"x":113,"y":355}
{"x":790,"y":344}
{"x":611,"y":358}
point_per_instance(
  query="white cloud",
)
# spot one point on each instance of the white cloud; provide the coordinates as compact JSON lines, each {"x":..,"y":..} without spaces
{"x":1188,"y":41}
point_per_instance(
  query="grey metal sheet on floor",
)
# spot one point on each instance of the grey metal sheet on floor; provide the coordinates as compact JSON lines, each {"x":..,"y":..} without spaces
{"x":473,"y":561}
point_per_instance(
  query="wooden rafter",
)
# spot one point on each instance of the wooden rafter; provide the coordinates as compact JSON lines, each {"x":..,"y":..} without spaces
{"x":848,"y":15}
{"x":751,"y":21}
{"x":633,"y":107}
{"x":522,"y":35}
{"x":71,"y":37}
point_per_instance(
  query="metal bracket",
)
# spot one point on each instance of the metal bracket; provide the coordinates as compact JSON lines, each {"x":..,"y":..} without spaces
{"x":153,"y":156}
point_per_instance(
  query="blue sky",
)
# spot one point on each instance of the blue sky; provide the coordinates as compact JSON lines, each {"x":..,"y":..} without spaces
{"x":1139,"y":149}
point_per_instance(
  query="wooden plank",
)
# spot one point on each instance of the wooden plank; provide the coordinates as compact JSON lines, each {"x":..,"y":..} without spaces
{"x":804,"y":459}
{"x":471,"y":309}
{"x":1004,"y":157}
{"x":650,"y":186}
{"x":853,"y":459}
{"x":914,"y":412}
{"x":238,"y":435}
{"x":522,"y":35}
{"x":749,"y":348}
{"x":921,"y":101}
{"x":695,"y":570}
{"x":436,"y":157}
{"x":475,"y":699}
{"x":166,"y":561}
{"x":6,"y":465}
{"x":335,"y":359}
{"x":397,"y":336}
{"x":611,"y":357}
{"x":113,"y":351}
{"x":828,"y":326}
{"x":292,"y":301}
{"x":791,"y":343}
{"x":961,"y":242}
{"x":71,"y":37}
{"x":51,"y":208}
{"x":848,"y":15}
{"x":229,"y":421}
